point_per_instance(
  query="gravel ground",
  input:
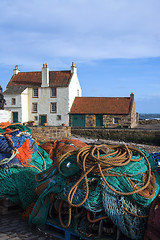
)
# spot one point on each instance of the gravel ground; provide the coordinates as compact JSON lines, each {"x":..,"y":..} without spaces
{"x":148,"y":148}
{"x":148,"y":126}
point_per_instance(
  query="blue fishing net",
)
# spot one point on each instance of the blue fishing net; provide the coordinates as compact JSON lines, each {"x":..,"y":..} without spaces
{"x":156,"y":158}
{"x":126,"y":214}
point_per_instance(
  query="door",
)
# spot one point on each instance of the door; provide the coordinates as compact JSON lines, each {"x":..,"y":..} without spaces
{"x":15,"y":117}
{"x":99,"y":120}
{"x":78,"y":120}
{"x":43,"y":119}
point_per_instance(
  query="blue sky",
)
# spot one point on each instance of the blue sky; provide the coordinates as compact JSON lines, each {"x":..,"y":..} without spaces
{"x":114,"y":43}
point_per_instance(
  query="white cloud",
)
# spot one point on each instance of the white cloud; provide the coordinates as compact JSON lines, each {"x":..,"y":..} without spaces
{"x":81,"y":29}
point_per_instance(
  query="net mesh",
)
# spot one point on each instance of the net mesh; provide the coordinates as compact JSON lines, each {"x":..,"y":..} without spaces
{"x":21,"y":159}
{"x":86,"y":186}
{"x":126,"y":214}
{"x":117,"y":180}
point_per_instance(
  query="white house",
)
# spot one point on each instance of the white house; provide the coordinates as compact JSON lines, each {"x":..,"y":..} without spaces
{"x":44,"y":96}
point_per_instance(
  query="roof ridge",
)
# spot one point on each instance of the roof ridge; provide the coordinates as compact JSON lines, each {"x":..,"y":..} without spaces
{"x":49,"y":71}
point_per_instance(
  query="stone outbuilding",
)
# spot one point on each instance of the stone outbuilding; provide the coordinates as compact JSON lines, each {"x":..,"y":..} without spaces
{"x":108,"y":112}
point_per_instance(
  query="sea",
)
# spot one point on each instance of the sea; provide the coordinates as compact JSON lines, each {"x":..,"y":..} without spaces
{"x":149,"y":116}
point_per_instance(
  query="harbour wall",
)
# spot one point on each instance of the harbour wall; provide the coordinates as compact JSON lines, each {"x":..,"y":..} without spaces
{"x":51,"y":133}
{"x":127,"y":135}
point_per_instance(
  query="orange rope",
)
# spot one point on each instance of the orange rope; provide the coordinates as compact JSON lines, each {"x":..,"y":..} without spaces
{"x":97,"y":219}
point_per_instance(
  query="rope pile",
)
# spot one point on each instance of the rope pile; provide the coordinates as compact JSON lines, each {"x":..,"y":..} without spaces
{"x":89,"y":176}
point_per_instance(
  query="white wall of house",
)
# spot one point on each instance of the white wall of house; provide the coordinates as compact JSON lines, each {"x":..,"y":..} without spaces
{"x":74,"y":88}
{"x":24,"y":104}
{"x":16,"y":107}
{"x":5,"y":116}
{"x":64,"y":100}
{"x":44,"y":105}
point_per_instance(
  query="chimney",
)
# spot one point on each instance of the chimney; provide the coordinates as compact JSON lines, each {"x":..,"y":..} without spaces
{"x":132,"y":96}
{"x":16,"y":70}
{"x":73,"y":68}
{"x":45,"y":76}
{"x":131,"y":102}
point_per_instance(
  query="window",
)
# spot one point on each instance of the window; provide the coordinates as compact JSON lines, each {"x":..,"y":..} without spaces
{"x":77,"y":92}
{"x":35,"y":92}
{"x":58,"y":117}
{"x":13,"y":101}
{"x":53,"y":92}
{"x":34,"y":107}
{"x":35,"y":118}
{"x":53,"y":107}
{"x":115,"y":120}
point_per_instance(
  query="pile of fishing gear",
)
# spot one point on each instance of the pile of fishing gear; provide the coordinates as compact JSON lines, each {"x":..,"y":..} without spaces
{"x":21,"y":159}
{"x":96,"y":191}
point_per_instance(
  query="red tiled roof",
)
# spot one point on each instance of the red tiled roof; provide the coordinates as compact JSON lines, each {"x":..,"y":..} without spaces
{"x":100,"y":105}
{"x":56,"y":79}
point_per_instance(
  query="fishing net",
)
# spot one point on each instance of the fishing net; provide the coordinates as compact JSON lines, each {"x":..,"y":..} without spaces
{"x":127,"y":215}
{"x":126,"y":170}
{"x":9,"y":127}
{"x":39,"y":213}
{"x":58,"y":148}
{"x":20,"y":160}
{"x":156,"y":158}
{"x":62,"y":179}
{"x":93,"y":201}
{"x":16,"y":148}
{"x":78,"y":175}
{"x":18,"y":183}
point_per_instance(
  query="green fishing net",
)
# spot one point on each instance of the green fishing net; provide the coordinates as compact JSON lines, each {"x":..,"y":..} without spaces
{"x":134,"y":172}
{"x":16,"y":126}
{"x":18,"y":183}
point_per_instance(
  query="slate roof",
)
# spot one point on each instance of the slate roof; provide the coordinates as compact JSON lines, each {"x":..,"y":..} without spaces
{"x":15,"y":90}
{"x":101,"y":105}
{"x":32,"y":79}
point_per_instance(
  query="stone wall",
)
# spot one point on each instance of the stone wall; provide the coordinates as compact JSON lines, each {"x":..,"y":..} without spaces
{"x":90,"y":120}
{"x":127,"y":135}
{"x":123,"y":121}
{"x":133,"y":113}
{"x":48,"y":133}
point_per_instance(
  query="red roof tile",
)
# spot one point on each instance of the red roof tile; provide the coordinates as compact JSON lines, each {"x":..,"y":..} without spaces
{"x":56,"y":79}
{"x":100,"y":105}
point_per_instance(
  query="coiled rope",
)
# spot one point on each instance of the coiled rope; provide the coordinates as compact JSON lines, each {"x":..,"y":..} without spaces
{"x":91,"y":160}
{"x":101,"y":160}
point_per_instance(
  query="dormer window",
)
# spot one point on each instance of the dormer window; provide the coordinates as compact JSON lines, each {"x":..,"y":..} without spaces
{"x":35,"y":92}
{"x":53,"y":92}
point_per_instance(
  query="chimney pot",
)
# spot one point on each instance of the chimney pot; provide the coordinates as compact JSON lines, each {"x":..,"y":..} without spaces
{"x":73,"y":64}
{"x":16,"y":70}
{"x":45,"y":76}
{"x":73,"y":68}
